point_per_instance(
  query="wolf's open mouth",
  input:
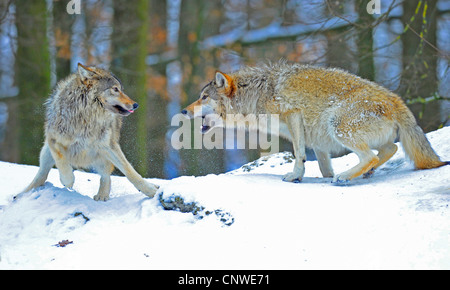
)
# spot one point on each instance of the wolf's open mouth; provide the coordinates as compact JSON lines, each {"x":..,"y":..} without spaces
{"x":123,"y":111}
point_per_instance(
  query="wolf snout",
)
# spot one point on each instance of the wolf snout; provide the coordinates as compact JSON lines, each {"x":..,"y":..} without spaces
{"x":125,"y":109}
{"x":187,"y":114}
{"x":135,"y":106}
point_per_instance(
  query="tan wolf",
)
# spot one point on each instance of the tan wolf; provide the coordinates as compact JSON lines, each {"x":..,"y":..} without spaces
{"x":325,"y":109}
{"x":83,"y":121}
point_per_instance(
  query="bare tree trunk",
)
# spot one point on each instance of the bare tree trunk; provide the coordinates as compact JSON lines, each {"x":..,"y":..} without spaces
{"x":62,"y":23}
{"x":366,"y":66}
{"x":129,"y":42}
{"x":419,"y":77}
{"x":192,"y":15}
{"x":338,"y":52}
{"x":32,"y":75}
{"x":157,"y":108}
{"x":172,"y":162}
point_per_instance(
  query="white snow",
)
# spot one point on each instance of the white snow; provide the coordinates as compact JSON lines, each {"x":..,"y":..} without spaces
{"x":398,"y":219}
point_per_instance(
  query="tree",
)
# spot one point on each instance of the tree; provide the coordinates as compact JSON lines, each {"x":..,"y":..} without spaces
{"x":157,"y":86}
{"x":129,"y":41}
{"x":62,"y":23}
{"x":419,"y":79}
{"x":366,"y":66}
{"x":32,"y":76}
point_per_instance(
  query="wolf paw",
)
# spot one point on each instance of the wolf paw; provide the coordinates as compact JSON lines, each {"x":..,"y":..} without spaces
{"x":292,"y":177}
{"x":339,"y":179}
{"x":369,"y":173}
{"x":101,"y":197}
{"x":150,"y":189}
{"x":67,"y":179}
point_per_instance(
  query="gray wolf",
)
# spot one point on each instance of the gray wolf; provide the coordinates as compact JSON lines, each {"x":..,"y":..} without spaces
{"x":325,"y":109}
{"x":82,"y":128}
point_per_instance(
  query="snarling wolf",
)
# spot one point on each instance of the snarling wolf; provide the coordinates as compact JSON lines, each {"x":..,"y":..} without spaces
{"x":82,"y":128}
{"x":326,"y":109}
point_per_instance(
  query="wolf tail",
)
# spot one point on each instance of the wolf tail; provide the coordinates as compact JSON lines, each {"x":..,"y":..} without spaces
{"x":414,"y":142}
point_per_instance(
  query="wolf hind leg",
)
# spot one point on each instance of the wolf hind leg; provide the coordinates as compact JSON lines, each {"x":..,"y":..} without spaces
{"x":46,"y":162}
{"x":367,"y":160}
{"x":324,"y":160}
{"x":105,"y":181}
{"x":385,"y":153}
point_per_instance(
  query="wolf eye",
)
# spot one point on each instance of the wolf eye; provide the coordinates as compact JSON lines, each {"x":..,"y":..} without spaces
{"x":116,"y":89}
{"x":205,"y":97}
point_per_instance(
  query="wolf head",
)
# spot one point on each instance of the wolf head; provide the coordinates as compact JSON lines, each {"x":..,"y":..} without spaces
{"x":211,"y":100}
{"x":109,"y":90}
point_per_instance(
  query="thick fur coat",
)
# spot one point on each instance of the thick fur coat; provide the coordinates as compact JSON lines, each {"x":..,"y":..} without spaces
{"x":83,"y":120}
{"x":325,"y":109}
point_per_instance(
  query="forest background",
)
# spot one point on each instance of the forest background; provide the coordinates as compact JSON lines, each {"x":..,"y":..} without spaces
{"x":165,"y":51}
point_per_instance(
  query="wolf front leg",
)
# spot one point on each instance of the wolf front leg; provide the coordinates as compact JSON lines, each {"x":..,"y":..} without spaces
{"x":46,"y":163}
{"x":119,"y":160}
{"x":104,"y":169}
{"x":295,"y":124}
{"x":367,"y":160}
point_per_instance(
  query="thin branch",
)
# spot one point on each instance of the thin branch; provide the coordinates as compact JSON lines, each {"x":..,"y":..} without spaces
{"x":273,"y":31}
{"x":5,"y":14}
{"x":442,"y":53}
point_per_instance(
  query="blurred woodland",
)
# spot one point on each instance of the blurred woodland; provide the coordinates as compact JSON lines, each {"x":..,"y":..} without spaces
{"x":165,"y":51}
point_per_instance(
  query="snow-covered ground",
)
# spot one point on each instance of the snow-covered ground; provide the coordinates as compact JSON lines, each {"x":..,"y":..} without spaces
{"x":245,"y":219}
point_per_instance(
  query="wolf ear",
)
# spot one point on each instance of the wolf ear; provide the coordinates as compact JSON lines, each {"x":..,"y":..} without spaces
{"x":85,"y":72}
{"x":222,"y":80}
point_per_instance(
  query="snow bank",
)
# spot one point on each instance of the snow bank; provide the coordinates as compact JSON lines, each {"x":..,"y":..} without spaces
{"x":245,"y":219}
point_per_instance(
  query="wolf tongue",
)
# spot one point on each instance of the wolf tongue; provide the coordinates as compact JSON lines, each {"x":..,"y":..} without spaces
{"x":131,"y":111}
